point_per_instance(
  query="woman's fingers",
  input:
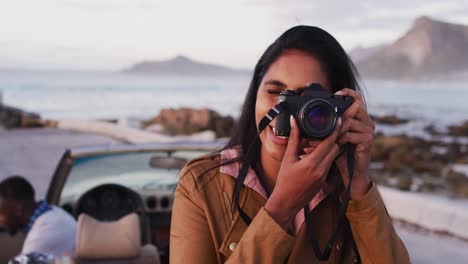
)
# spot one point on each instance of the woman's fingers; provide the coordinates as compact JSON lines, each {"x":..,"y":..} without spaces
{"x":330,"y":157}
{"x":349,"y":125}
{"x":293,"y":142}
{"x":325,"y":146}
{"x":314,"y":143}
{"x":355,"y":125}
{"x":309,"y":150}
{"x":310,"y":146}
{"x":361,"y":140}
{"x":356,"y":110}
{"x":352,"y":93}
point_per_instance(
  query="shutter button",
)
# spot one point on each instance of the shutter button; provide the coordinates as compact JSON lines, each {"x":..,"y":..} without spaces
{"x":232,"y":246}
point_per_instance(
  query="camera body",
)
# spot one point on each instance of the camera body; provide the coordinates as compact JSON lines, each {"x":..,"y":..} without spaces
{"x":316,"y":111}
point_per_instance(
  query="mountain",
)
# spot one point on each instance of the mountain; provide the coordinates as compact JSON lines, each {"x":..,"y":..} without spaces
{"x":182,"y":65}
{"x":430,"y":49}
{"x":360,"y":53}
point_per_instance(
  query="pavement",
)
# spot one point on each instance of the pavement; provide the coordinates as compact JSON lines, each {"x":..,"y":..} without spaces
{"x":426,"y":247}
{"x":35,"y":153}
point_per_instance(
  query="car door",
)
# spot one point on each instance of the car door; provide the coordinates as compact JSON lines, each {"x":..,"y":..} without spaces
{"x":59,"y":178}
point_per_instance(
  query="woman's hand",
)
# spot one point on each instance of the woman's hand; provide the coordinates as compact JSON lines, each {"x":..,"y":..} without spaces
{"x":357,"y":129}
{"x":299,"y":180}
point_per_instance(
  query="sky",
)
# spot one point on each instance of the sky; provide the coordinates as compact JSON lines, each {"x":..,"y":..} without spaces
{"x":108,"y":35}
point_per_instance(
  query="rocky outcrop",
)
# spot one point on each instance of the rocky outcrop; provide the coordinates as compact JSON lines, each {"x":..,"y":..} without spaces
{"x":459,"y":131}
{"x":430,"y":49}
{"x":409,"y":163}
{"x":12,"y":117}
{"x":185,"y":121}
{"x":389,"y":120}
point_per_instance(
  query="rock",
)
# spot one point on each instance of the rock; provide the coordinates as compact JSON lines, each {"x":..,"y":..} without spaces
{"x":454,"y":152}
{"x":393,"y":141}
{"x":406,"y":158}
{"x":456,"y":178}
{"x":459,"y":131}
{"x":430,"y":187}
{"x":110,"y":120}
{"x":396,"y":161}
{"x":458,"y":183}
{"x":432,"y":130}
{"x":463,"y":159}
{"x":12,"y":117}
{"x":155,"y":128}
{"x":389,"y":120}
{"x":187,"y":121}
{"x":384,"y":145}
{"x":400,"y":153}
{"x":428,"y":166}
{"x":461,"y":191}
{"x":405,"y":182}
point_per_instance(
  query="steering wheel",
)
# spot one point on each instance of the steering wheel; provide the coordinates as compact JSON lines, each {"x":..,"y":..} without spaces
{"x":110,"y":202}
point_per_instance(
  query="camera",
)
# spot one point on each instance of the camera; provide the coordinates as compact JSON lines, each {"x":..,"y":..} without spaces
{"x":315,"y":110}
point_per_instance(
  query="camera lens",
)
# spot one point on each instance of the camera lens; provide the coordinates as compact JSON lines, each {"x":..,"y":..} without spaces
{"x":317,"y":118}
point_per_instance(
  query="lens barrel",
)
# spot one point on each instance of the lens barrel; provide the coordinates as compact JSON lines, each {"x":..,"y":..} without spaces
{"x":317,"y":118}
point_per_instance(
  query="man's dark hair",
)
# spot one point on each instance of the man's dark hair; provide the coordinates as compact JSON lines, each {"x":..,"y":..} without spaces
{"x":17,"y":188}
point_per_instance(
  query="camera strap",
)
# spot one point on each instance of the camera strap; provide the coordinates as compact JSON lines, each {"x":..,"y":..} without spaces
{"x":325,"y":255}
{"x":248,"y":159}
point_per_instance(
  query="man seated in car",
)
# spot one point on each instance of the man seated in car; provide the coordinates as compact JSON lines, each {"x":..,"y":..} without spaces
{"x":48,"y":229}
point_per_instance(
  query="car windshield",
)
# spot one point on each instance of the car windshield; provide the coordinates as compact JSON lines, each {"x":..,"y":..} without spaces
{"x":135,"y":170}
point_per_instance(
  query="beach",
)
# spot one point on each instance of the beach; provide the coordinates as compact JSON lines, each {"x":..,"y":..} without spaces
{"x":34,"y":153}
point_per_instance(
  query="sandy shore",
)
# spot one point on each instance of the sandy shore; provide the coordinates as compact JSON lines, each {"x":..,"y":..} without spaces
{"x":34,"y":153}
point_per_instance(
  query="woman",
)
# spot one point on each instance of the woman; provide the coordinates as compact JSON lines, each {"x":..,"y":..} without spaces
{"x":287,"y":176}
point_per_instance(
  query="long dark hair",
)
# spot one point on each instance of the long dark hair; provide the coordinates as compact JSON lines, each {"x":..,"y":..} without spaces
{"x":340,"y":71}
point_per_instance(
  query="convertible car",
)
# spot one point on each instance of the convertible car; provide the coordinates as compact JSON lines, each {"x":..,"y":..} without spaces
{"x":108,"y":182}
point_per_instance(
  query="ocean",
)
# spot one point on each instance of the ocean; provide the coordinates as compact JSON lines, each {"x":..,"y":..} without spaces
{"x":123,"y":96}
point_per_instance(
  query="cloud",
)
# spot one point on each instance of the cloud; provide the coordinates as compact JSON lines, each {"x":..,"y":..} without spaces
{"x":228,"y":32}
{"x":374,"y":21}
{"x":93,"y":5}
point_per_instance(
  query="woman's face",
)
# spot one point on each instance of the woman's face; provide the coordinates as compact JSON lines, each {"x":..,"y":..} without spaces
{"x":292,"y":70}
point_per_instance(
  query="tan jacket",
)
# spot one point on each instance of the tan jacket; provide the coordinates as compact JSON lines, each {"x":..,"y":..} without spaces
{"x":203,"y":229}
